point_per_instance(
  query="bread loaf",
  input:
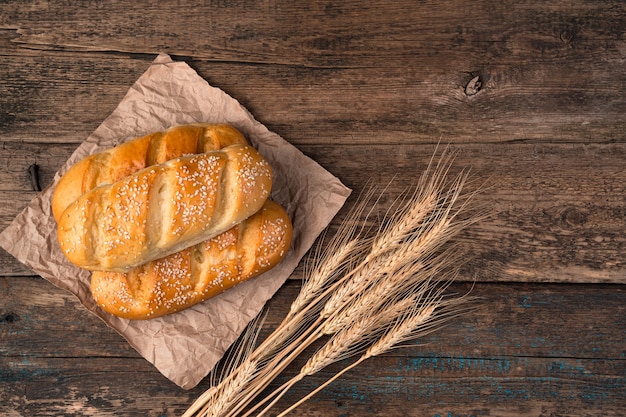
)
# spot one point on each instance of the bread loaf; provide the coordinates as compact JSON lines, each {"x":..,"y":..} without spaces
{"x":164,"y":208}
{"x":116,"y":163}
{"x":195,"y":274}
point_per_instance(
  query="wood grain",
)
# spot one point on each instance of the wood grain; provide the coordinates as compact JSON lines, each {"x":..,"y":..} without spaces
{"x":518,"y":354}
{"x":543,"y":72}
{"x":394,"y":104}
{"x":530,"y":95}
{"x":554,"y":206}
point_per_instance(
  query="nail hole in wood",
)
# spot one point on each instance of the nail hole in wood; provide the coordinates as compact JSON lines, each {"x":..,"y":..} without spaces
{"x":33,"y":173}
{"x":9,"y":318}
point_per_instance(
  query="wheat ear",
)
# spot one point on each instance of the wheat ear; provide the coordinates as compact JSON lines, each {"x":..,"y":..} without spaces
{"x":337,"y":255}
{"x":414,"y":323}
{"x":408,"y":211}
{"x":407,"y":250}
{"x":343,"y":344}
{"x":424,"y":236}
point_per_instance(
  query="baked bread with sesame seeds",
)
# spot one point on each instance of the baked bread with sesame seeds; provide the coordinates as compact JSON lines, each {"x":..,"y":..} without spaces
{"x":120,"y":161}
{"x":198,"y":273}
{"x":164,"y":208}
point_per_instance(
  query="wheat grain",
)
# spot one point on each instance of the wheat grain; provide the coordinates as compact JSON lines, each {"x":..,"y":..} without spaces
{"x":384,"y":291}
{"x":370,"y":294}
{"x":351,"y":286}
{"x":409,"y":212}
{"x":230,"y":391}
{"x":340,"y":252}
{"x":317,"y":279}
{"x":347,"y":341}
{"x":396,"y":233}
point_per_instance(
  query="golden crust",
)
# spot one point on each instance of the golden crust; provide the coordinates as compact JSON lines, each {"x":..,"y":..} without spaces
{"x":153,"y":207}
{"x":197,"y":273}
{"x":132,"y":182}
{"x":132,"y":156}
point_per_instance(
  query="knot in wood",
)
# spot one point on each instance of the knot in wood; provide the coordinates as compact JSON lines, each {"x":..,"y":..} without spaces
{"x":566,"y":36}
{"x":573,"y":217}
{"x":473,"y":86}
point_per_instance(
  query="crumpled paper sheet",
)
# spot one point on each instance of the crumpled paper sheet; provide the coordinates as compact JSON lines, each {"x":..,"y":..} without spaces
{"x":185,"y":346}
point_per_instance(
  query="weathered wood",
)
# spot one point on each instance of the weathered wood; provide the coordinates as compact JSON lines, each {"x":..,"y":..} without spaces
{"x":529,"y":94}
{"x":319,"y":33}
{"x":556,"y":207}
{"x":65,"y":99}
{"x":330,"y":105}
{"x":529,"y":349}
{"x":476,"y":73}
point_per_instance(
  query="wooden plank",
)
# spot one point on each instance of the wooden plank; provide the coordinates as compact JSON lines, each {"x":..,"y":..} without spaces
{"x":454,"y":393}
{"x":475,"y":73}
{"x":60,"y":99}
{"x":558,"y":208}
{"x":317,"y":33}
{"x":529,"y":349}
{"x":530,"y":94}
{"x":551,"y":222}
{"x":392,"y":104}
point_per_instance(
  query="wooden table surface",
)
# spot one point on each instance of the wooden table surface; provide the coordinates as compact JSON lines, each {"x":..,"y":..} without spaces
{"x":531,"y":96}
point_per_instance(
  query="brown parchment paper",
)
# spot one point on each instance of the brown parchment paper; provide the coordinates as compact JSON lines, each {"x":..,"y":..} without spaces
{"x":185,"y":346}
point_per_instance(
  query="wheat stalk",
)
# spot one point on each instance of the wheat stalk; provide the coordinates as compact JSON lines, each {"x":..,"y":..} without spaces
{"x":340,"y":252}
{"x":324,"y":265}
{"x":342,"y":345}
{"x":416,"y":321}
{"x":238,"y":371}
{"x":367,"y":293}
